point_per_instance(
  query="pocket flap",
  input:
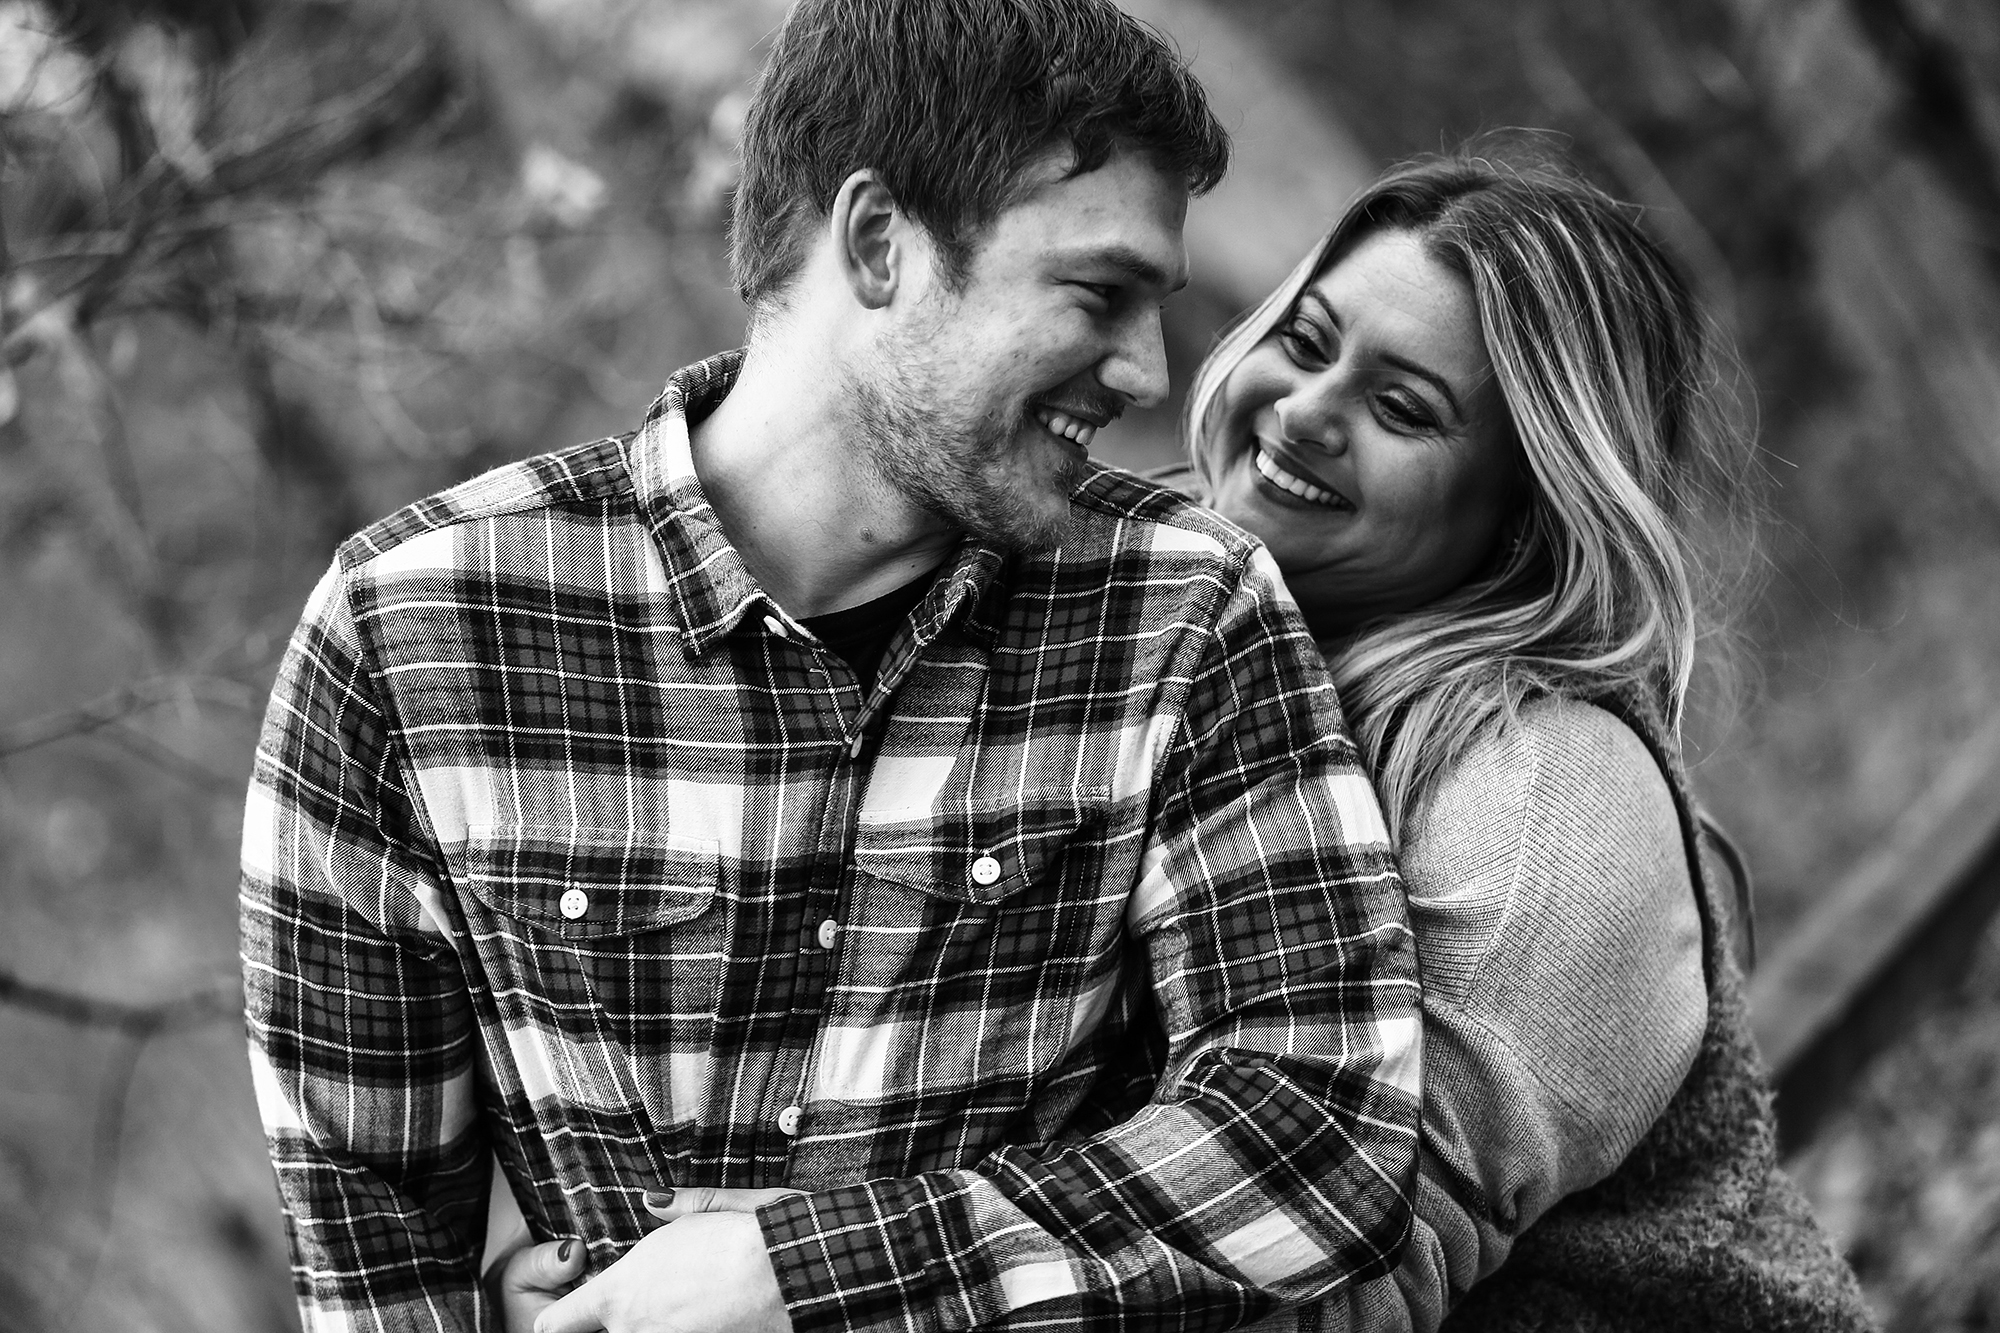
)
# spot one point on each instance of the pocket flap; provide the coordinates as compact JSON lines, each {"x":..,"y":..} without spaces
{"x":588,"y":882}
{"x":982,"y":856}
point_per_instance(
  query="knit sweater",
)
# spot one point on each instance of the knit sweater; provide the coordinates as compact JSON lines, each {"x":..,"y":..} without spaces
{"x":1564,"y":999}
{"x":1698,"y":1229}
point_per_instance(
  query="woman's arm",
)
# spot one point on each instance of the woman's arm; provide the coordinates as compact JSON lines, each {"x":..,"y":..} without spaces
{"x":1564,"y":1000}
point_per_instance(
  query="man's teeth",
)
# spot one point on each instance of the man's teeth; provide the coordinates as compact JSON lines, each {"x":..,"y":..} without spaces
{"x":1068,"y":426}
{"x":1284,"y":480}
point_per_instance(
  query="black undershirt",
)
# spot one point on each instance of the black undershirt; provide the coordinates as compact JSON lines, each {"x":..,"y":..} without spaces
{"x":860,"y":635}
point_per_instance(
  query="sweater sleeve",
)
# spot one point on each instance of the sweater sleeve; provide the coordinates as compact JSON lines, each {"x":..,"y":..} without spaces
{"x":1564,"y":1000}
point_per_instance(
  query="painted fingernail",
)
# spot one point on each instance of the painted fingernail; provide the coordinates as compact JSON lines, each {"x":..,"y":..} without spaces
{"x":563,"y":1254}
{"x":660,"y":1198}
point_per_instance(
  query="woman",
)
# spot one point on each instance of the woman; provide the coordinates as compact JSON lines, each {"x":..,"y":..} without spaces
{"x":1475,"y":426}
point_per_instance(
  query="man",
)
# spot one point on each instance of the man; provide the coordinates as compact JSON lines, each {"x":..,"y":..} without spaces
{"x":838,"y":787}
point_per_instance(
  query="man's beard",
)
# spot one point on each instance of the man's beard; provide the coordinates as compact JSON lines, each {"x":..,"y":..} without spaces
{"x":955,"y":466}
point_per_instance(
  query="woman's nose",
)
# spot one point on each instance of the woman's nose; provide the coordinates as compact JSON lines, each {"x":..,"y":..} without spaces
{"x":1312,"y":418}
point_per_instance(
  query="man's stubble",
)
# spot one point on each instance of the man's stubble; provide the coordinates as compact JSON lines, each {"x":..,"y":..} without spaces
{"x":954,"y":464}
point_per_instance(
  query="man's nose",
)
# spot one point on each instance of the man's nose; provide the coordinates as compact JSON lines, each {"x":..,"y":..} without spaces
{"x":1137,"y":366}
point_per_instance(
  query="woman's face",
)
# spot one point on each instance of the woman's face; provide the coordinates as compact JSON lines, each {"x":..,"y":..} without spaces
{"x":1365,"y":440}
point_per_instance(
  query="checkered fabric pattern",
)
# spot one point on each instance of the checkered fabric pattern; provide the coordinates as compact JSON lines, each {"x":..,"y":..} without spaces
{"x":1067,"y":971}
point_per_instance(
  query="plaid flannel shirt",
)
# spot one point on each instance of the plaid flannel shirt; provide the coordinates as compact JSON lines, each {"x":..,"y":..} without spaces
{"x":1067,"y":972}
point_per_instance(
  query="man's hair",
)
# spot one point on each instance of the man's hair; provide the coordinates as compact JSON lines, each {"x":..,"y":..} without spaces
{"x":947,"y":101}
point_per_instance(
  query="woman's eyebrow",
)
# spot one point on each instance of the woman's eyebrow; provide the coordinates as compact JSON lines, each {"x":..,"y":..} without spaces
{"x":1431,"y":377}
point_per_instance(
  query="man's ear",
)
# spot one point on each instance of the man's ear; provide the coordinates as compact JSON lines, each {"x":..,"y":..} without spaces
{"x":871,"y":239}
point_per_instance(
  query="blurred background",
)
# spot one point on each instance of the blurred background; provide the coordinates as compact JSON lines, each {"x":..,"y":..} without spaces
{"x":271,"y":268}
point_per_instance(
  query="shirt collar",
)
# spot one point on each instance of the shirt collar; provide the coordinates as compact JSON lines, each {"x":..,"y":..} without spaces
{"x":708,"y":585}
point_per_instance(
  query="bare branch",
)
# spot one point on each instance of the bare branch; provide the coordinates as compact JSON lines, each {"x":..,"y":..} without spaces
{"x":166,"y":758}
{"x":107,"y":1148}
{"x":1940,"y":109}
{"x":115,"y":707}
{"x":137,"y":1020}
{"x":1638,"y":172}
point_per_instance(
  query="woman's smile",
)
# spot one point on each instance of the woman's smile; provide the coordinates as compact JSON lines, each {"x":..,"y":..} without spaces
{"x":1365,"y":440}
{"x":1294,"y":480}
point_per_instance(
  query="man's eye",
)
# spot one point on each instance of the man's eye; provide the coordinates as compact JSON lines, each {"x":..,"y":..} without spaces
{"x":1102,"y":291}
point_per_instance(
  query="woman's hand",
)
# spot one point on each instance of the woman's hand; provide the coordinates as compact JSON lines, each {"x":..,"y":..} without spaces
{"x":534,"y":1277}
{"x":669,"y":1204}
{"x":531,"y":1279}
{"x":708,"y":1270}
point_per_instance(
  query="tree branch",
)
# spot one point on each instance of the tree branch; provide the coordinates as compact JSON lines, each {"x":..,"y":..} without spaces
{"x":135,"y":1020}
{"x":115,"y":707}
{"x":1940,"y":111}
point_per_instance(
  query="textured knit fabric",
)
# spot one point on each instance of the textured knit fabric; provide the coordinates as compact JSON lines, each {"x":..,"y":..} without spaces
{"x":1564,"y":1000}
{"x":1698,"y":1229}
{"x":566,"y":843}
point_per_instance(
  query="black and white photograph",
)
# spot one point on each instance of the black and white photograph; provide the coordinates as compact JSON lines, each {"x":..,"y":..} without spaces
{"x":896,"y":666}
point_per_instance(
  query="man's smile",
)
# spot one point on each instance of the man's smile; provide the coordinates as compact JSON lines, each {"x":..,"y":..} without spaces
{"x":1074,"y":420}
{"x":1071,"y":428}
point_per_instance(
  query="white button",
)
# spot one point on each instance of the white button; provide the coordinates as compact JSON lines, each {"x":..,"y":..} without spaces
{"x":828,"y":929}
{"x":985,"y":870}
{"x":777,"y":627}
{"x":854,"y":750}
{"x":575,"y":902}
{"x":788,"y":1121}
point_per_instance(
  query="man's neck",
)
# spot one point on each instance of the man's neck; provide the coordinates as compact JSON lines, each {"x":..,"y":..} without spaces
{"x":798,"y":496}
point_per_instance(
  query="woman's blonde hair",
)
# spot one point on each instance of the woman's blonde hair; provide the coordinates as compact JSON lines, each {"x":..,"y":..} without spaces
{"x":1627,"y":437}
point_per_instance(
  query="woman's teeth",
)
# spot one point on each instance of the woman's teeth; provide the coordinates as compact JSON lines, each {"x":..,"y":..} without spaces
{"x":1285,"y":481}
{"x":1061,"y":423}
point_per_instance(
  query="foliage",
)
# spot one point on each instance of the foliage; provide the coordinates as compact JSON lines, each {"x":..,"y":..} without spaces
{"x":267,"y":270}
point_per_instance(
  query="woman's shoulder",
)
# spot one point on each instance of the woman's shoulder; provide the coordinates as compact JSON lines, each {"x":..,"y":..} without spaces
{"x":1601,"y":801}
{"x":1560,"y":949}
{"x":1555,"y":753}
{"x":1576,"y":738}
{"x":1561,"y":813}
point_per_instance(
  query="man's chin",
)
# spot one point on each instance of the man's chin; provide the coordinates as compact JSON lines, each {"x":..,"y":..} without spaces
{"x":1017,"y":502}
{"x":1024,"y":529}
{"x":1025,"y":515}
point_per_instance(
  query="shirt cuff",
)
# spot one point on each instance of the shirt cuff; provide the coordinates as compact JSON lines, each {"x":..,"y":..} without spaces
{"x":852,"y":1258}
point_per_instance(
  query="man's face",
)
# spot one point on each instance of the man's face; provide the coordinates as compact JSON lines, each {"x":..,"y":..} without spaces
{"x":983,"y":401}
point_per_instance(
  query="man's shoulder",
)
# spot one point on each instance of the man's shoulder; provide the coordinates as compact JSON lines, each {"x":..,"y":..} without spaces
{"x":581,"y":475}
{"x":1117,"y":511}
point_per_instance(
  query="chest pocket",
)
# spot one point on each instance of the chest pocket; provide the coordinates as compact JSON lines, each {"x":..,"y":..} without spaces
{"x":605,"y":949}
{"x":586,"y":883}
{"x":1014,"y":947}
{"x":985,"y":856}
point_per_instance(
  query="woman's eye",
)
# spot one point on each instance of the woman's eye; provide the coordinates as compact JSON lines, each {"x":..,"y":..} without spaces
{"x":1400,"y":412}
{"x":1302,"y":342}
